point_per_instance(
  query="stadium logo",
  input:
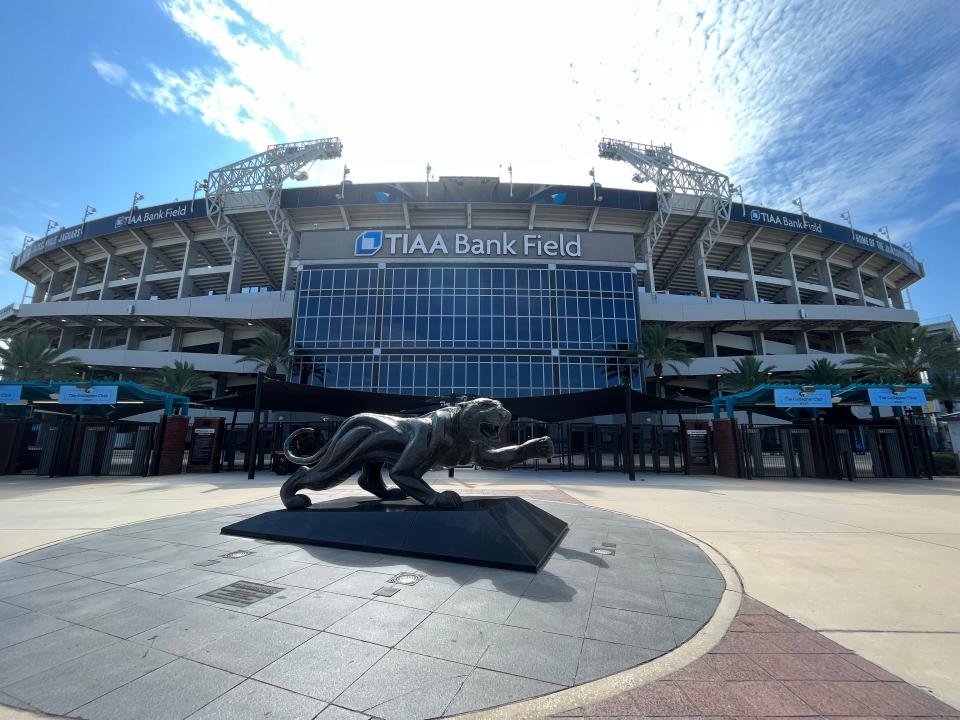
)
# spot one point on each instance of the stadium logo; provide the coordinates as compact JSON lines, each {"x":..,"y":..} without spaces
{"x":368,"y":243}
{"x":754,"y":215}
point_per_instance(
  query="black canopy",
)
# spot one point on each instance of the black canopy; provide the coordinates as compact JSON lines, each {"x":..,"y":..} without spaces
{"x":291,"y":397}
{"x":608,"y":401}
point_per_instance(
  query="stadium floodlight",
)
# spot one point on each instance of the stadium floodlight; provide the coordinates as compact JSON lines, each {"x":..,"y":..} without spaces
{"x":510,"y":170}
{"x":884,"y":233}
{"x":849,"y":218}
{"x":671,"y":174}
{"x":428,"y":180}
{"x":51,"y":225}
{"x":27,"y":239}
{"x":738,"y":191}
{"x":87,"y":212}
{"x":256,"y":183}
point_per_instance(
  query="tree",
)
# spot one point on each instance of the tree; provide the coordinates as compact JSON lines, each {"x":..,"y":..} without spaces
{"x":945,"y":387}
{"x":30,"y":357}
{"x":656,"y":348}
{"x":181,"y":379}
{"x":270,"y":351}
{"x":749,"y":371}
{"x":901,"y":353}
{"x":824,"y":371}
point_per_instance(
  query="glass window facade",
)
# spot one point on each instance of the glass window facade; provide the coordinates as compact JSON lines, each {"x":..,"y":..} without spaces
{"x":487,"y":330}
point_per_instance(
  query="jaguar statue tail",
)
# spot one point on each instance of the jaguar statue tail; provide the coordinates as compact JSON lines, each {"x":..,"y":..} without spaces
{"x":356,"y":440}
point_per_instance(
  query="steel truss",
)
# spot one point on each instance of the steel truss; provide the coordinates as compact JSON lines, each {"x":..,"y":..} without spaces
{"x":256,"y":182}
{"x":672,"y":174}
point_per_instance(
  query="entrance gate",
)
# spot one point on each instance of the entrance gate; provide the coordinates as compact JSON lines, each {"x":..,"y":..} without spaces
{"x":831,"y":451}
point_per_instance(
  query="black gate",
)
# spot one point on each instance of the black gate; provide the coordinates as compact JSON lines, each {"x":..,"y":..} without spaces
{"x":896,"y":450}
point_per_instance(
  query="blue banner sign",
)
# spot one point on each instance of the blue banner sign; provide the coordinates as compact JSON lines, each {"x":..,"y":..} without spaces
{"x":140,"y":217}
{"x":832,"y":231}
{"x":88,"y":395}
{"x":797,"y":398}
{"x":886,"y":397}
{"x":10,"y":394}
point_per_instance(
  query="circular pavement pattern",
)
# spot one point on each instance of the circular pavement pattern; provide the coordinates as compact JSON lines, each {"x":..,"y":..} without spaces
{"x":170,"y":619}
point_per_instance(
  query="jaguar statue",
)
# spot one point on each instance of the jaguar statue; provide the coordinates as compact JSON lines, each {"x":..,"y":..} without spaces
{"x":467,"y":433}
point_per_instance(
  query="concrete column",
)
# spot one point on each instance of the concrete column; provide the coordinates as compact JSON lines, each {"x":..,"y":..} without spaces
{"x":147,"y":265}
{"x":226,"y":341}
{"x":81,"y":277}
{"x":839,"y":344}
{"x":39,"y":293}
{"x":709,"y":343}
{"x":649,"y":280}
{"x":96,"y":338}
{"x":289,"y":279}
{"x":54,"y":286}
{"x":880,"y":290}
{"x":801,"y":343}
{"x":746,"y":265}
{"x":176,"y":339}
{"x":826,"y":278}
{"x":790,"y":273}
{"x":133,"y":338}
{"x":856,"y":284}
{"x":235,"y":279}
{"x":896,"y":295}
{"x":189,"y":259}
{"x":109,"y":274}
{"x":700,"y":268}
{"x":759,"y":343}
{"x":68,"y":336}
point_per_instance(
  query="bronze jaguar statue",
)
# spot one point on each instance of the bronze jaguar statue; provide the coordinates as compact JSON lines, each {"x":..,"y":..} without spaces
{"x":462,"y":434}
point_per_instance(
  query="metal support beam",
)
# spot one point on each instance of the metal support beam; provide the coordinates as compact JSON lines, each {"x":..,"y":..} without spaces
{"x":533,"y":214}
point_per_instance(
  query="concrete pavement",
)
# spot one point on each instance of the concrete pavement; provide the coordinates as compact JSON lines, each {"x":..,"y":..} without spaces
{"x":873,"y":564}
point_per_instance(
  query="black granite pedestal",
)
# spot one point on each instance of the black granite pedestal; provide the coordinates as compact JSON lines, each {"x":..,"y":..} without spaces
{"x":500,"y":532}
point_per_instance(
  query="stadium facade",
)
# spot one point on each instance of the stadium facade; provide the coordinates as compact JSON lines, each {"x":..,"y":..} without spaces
{"x":466,"y":285}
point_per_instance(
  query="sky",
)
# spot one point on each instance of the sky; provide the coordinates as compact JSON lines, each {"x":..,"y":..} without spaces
{"x":853,"y":105}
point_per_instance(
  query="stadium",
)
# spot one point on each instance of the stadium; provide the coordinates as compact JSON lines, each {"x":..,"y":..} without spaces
{"x":459,"y":285}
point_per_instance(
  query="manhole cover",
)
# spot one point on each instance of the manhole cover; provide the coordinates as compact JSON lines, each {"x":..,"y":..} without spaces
{"x":604,"y":551}
{"x":240,"y":594}
{"x":236,"y":554}
{"x":206,"y":563}
{"x":405,"y":579}
{"x":386,"y":591}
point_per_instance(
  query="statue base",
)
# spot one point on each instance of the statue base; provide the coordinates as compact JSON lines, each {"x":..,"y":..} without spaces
{"x":499,"y":532}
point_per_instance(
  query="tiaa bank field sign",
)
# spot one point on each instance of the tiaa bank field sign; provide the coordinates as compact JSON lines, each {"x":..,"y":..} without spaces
{"x":552,"y":245}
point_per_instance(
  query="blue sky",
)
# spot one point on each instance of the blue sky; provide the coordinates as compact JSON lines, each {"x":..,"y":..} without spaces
{"x":853,"y":105}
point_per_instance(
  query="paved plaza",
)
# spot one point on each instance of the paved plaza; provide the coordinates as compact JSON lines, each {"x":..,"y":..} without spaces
{"x":108,"y":613}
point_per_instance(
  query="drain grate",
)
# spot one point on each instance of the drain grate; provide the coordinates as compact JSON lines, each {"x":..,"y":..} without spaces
{"x":604,"y":551}
{"x":405,"y":579}
{"x":240,"y":594}
{"x":206,"y":563}
{"x":608,"y":544}
{"x":386,"y":591}
{"x":237,"y":554}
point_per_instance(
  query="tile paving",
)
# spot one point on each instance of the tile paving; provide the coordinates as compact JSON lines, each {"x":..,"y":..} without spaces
{"x":461,"y":638}
{"x":100,"y":626}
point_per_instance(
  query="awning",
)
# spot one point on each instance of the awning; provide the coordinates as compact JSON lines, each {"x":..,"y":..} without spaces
{"x":292,"y":397}
{"x":607,"y":401}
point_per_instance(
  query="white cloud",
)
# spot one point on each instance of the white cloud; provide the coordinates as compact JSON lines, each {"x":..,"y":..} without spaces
{"x":111,"y":72}
{"x":826,"y":100}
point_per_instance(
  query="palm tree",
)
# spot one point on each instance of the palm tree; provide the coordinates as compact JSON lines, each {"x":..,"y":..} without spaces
{"x":945,"y":387}
{"x":30,"y":357}
{"x":749,"y":371}
{"x":656,"y":348}
{"x":824,"y":371}
{"x":901,"y":353}
{"x":268,"y":350}
{"x":181,"y":379}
